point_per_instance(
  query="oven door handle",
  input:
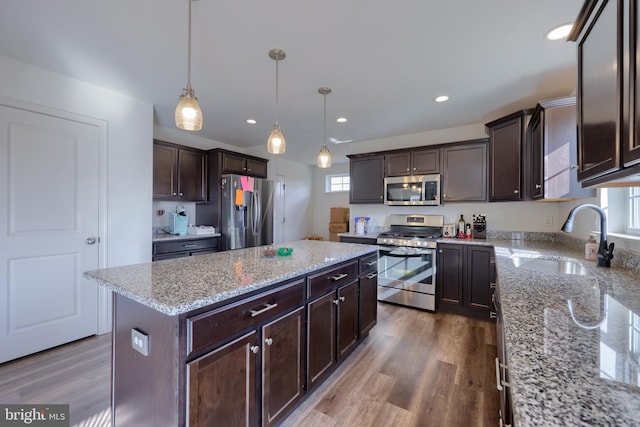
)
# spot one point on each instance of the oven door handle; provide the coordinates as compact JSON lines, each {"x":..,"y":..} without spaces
{"x":403,"y":253}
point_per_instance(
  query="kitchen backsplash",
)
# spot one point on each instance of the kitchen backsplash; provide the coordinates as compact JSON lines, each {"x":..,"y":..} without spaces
{"x":168,"y":207}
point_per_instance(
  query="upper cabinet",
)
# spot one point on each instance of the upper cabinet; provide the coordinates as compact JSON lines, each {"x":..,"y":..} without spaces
{"x":551,"y":167}
{"x":179,"y":173}
{"x":506,"y":138}
{"x":412,"y":162}
{"x":235,"y":163}
{"x":464,"y":172}
{"x":608,"y":92}
{"x":367,"y":175}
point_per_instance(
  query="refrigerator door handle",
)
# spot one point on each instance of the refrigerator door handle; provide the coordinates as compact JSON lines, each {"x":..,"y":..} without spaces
{"x":256,"y":213}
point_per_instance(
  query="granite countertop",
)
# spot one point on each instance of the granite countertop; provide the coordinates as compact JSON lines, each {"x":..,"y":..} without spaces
{"x":570,"y":369}
{"x":180,"y":285}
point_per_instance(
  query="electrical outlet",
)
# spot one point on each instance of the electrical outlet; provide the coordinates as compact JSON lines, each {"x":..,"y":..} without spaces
{"x":140,"y":342}
{"x":548,"y":221}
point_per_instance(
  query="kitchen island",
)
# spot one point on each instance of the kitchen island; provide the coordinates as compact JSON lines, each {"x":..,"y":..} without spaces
{"x":572,"y":337}
{"x":234,"y":337}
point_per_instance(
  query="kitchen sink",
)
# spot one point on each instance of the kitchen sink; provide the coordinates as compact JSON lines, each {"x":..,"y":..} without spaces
{"x":550,"y":265}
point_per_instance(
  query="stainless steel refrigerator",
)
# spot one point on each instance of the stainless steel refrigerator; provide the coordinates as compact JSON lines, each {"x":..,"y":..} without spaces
{"x":247,"y":211}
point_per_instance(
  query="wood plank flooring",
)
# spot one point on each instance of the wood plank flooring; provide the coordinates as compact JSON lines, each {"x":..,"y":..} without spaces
{"x":415,"y":369}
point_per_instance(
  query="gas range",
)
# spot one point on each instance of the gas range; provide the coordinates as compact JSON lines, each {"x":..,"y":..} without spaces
{"x":416,"y":231}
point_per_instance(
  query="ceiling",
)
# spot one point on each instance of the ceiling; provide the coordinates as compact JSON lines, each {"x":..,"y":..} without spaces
{"x":384,"y":61}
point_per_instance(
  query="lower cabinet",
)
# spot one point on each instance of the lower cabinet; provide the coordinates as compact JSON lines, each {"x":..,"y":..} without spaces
{"x":465,"y":279}
{"x":332,"y":330}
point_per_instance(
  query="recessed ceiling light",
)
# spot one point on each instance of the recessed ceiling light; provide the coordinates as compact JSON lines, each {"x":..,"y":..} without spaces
{"x":251,"y":121}
{"x":441,"y":98}
{"x":560,"y":32}
{"x":341,"y":119}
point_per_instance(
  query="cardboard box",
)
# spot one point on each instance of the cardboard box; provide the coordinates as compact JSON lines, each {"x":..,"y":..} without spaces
{"x":333,"y":237}
{"x":339,"y":215}
{"x":338,"y":227}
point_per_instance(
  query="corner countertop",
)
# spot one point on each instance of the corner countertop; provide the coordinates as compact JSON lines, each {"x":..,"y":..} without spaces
{"x":180,"y":285}
{"x":570,"y":369}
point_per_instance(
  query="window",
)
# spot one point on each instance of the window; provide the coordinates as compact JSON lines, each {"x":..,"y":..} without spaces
{"x":337,"y":183}
{"x":633,"y":210}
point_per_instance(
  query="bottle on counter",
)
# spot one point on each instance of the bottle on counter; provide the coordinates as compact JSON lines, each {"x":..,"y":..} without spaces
{"x":461,"y":227}
{"x":591,"y":248}
{"x":467,"y":232}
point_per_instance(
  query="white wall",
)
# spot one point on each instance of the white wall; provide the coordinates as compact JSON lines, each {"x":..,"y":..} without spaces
{"x":129,"y":149}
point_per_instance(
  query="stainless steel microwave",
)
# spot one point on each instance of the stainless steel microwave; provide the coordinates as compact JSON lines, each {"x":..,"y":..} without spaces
{"x":414,"y":190}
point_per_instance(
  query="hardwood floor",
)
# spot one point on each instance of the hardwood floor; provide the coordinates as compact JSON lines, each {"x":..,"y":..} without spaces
{"x":415,"y":369}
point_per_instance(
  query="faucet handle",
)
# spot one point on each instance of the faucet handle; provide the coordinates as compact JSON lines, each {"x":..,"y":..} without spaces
{"x":605,"y":254}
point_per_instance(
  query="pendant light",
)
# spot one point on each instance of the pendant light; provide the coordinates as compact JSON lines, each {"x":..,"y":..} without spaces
{"x":276,"y":143}
{"x":324,"y":157}
{"x":188,"y":113}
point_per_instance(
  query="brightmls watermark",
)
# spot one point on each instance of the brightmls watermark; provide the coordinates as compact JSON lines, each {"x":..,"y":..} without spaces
{"x":34,"y":415}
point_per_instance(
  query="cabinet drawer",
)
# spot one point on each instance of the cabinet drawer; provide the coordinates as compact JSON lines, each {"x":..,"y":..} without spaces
{"x":330,"y":279}
{"x":185,"y":245}
{"x":208,"y":328}
{"x":368,"y":264}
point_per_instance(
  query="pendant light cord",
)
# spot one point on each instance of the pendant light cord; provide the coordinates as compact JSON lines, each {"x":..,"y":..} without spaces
{"x":324,"y":141}
{"x":277,"y":60}
{"x":189,"y":51}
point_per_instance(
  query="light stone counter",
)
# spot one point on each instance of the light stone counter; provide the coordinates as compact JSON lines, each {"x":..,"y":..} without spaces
{"x":580,"y":369}
{"x":180,"y":285}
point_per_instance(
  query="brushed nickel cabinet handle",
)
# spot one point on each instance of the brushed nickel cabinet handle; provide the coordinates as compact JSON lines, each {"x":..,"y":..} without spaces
{"x":267,"y":307}
{"x":338,"y":277}
{"x":269,"y":341}
{"x":255,"y":349}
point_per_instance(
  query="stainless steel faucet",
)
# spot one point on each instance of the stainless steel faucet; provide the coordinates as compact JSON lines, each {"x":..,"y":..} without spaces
{"x":605,"y":253}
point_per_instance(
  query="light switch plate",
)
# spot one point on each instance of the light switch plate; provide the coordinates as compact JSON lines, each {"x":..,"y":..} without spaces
{"x":140,"y":341}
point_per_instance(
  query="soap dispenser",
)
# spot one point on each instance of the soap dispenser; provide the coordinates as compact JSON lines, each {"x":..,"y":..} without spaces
{"x":591,"y":248}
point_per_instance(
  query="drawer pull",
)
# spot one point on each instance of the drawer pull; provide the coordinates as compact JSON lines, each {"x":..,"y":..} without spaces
{"x":266,"y":308}
{"x":255,"y":349}
{"x":372,"y":263}
{"x":338,"y":277}
{"x":371,"y":275}
{"x":190,"y":245}
{"x":269,"y":341}
{"x":492,"y":285}
{"x":498,"y":379}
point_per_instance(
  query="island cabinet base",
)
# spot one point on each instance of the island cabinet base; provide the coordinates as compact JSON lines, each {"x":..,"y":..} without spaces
{"x":247,"y":361}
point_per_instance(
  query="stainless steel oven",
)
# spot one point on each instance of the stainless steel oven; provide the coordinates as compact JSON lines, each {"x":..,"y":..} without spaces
{"x":407,"y":276}
{"x":407,"y":260}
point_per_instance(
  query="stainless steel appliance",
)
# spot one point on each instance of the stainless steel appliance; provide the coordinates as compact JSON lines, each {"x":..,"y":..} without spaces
{"x":414,"y":190}
{"x":407,"y":263}
{"x":247,"y":211}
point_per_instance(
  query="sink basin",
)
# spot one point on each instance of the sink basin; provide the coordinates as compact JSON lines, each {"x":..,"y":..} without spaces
{"x":550,"y":265}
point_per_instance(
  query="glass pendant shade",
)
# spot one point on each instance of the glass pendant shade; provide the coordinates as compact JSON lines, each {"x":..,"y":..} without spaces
{"x":188,"y":113}
{"x":276,"y":143}
{"x":324,"y":157}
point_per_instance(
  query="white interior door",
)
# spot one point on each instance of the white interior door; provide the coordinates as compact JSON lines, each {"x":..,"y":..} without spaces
{"x":278,"y":208}
{"x":49,"y":212}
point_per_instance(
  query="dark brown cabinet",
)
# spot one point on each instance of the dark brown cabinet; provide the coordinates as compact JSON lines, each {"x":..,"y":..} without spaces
{"x":234,"y":163}
{"x":551,"y":167}
{"x":368,"y":294}
{"x":184,"y":248}
{"x":283,"y":365}
{"x":332,"y":320}
{"x":506,"y":141}
{"x":466,"y":279}
{"x":464,"y":172}
{"x":414,"y":162}
{"x":608,"y":92}
{"x":229,"y":399}
{"x":367,"y":177}
{"x":179,"y":173}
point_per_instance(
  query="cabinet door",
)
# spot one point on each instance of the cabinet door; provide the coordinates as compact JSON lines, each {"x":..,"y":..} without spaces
{"x":347,"y":319}
{"x":192,"y":181}
{"x":282,"y":365}
{"x":599,"y":88}
{"x":505,"y":158}
{"x":222,"y":385}
{"x":233,"y":164}
{"x":464,"y":173}
{"x":450,"y":277}
{"x":366,"y":174}
{"x":425,"y":162}
{"x":165,"y":178}
{"x":535,"y":169}
{"x":398,"y":164}
{"x":256,"y":168}
{"x":368,"y":303}
{"x":479,"y":265}
{"x":321,"y":338}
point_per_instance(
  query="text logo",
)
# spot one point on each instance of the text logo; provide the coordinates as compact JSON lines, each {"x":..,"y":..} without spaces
{"x":34,"y":415}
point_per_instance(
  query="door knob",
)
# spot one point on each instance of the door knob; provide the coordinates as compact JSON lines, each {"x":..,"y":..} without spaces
{"x":91,"y":240}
